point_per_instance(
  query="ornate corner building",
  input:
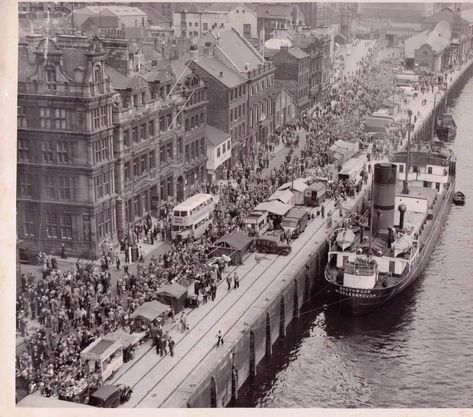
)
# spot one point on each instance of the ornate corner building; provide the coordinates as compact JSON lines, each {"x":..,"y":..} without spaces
{"x":102,"y":142}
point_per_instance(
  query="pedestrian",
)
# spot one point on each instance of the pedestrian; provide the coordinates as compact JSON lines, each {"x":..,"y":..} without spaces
{"x":117,"y":261}
{"x":236,"y":281}
{"x":219,"y":338}
{"x":171,"y":344}
{"x":63,"y":251}
{"x":229,"y":282}
{"x":159,"y":346}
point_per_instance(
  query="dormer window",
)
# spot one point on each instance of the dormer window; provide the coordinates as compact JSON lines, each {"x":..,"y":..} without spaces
{"x":50,"y":74}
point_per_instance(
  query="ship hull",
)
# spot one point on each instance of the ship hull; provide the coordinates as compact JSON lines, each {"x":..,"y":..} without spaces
{"x":363,"y":301}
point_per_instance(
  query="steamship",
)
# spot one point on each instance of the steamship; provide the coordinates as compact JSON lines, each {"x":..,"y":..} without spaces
{"x":374,"y":256}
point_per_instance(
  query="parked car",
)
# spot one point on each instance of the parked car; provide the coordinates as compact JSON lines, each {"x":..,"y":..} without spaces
{"x":110,"y":396}
{"x":272,"y":244}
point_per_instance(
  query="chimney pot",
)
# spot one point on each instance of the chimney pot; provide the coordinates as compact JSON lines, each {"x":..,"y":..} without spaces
{"x":221,"y":74}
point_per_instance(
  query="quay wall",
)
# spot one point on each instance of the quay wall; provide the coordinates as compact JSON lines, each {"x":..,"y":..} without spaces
{"x":249,"y":343}
{"x":218,"y":382}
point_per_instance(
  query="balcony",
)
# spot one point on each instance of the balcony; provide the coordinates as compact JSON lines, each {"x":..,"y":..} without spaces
{"x":65,"y":89}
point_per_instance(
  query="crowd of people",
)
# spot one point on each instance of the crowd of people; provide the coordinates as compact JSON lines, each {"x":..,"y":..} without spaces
{"x":76,"y":306}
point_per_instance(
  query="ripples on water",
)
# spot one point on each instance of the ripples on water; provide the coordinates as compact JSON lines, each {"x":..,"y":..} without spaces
{"x":416,"y":351}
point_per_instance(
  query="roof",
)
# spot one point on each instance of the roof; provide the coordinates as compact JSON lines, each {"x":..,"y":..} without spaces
{"x":100,"y":21}
{"x":297,"y":53}
{"x":274,"y":207}
{"x":284,"y":196}
{"x":239,"y":50}
{"x":150,"y":310}
{"x":117,"y":79}
{"x":298,"y":184}
{"x":275,"y":11}
{"x":193,"y":201}
{"x":25,"y":69}
{"x":174,"y":290}
{"x":438,"y":39}
{"x":445,"y":14}
{"x":229,"y":77}
{"x":216,"y":136}
{"x":125,"y":10}
{"x":236,"y":240}
{"x":154,"y":17}
{"x":126,"y":339}
{"x":276,"y":43}
{"x":105,"y":391}
{"x":376,"y":124}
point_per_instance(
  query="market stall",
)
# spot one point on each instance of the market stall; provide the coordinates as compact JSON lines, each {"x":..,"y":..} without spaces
{"x":104,"y":356}
{"x":127,"y":340}
{"x":149,"y":312}
{"x":173,"y":295}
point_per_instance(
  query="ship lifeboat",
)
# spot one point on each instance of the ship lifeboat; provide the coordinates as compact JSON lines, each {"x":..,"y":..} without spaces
{"x":345,"y":239}
{"x":459,"y":198}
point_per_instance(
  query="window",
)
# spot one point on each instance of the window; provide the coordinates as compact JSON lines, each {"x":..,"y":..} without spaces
{"x":205,"y":27}
{"x":151,"y":128}
{"x":152,"y":160}
{"x":169,"y":121}
{"x":23,"y":150}
{"x":246,"y":29}
{"x":135,"y":168}
{"x":401,"y":168}
{"x":135,"y":135}
{"x":66,"y":226}
{"x":190,"y":23}
{"x":143,"y":98}
{"x":202,"y":147}
{"x":50,"y":187}
{"x":64,"y":188}
{"x":126,"y":138}
{"x":429,"y":170}
{"x":29,"y":223}
{"x":26,"y":186}
{"x":162,"y":154}
{"x":51,"y":225}
{"x":143,"y":164}
{"x":195,"y":24}
{"x":47,"y":148}
{"x":127,"y":171}
{"x":21,"y":117}
{"x":99,"y":220}
{"x":218,"y":152}
{"x":103,"y":116}
{"x":50,"y":74}
{"x":96,"y":118}
{"x":45,"y":117}
{"x":169,"y":150}
{"x":170,"y":188}
{"x":106,"y":183}
{"x":179,"y":146}
{"x":143,"y":132}
{"x":187,"y":153}
{"x":162,"y":124}
{"x":98,"y":187}
{"x":62,"y":152}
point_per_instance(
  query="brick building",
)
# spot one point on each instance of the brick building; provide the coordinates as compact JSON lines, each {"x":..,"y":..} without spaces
{"x":99,"y":144}
{"x":292,"y":70}
{"x":241,"y":89}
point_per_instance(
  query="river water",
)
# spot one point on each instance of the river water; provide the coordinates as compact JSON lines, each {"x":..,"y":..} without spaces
{"x":416,"y":351}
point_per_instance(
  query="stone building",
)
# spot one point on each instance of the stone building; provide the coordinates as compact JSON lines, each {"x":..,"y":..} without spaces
{"x":100,"y":144}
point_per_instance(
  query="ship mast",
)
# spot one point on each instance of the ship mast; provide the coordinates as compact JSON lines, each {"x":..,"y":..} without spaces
{"x":405,"y":189}
{"x":434,"y":118}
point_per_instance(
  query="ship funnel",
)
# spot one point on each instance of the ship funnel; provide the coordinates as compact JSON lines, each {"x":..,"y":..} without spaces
{"x":402,"y":211}
{"x":384,"y":197}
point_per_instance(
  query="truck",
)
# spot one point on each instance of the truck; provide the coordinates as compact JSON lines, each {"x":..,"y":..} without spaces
{"x":295,"y":222}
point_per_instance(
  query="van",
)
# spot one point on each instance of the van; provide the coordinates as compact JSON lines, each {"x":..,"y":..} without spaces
{"x":314,"y":194}
{"x":257,"y":223}
{"x":272,"y":244}
{"x":295,"y":222}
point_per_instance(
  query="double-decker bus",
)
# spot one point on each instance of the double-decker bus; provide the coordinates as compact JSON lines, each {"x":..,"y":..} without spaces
{"x":192,"y":217}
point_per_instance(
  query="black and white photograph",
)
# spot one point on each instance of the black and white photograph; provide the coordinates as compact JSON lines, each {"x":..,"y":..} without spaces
{"x":240,"y":205}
